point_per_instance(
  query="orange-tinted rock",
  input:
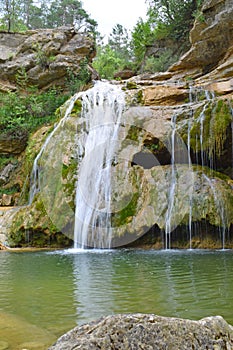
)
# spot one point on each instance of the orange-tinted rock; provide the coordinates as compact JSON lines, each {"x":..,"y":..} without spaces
{"x":164,"y":95}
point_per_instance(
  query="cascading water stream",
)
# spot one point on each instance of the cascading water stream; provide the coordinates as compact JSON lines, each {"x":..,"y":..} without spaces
{"x":231,"y":108}
{"x":171,"y":196}
{"x":34,"y":179}
{"x":97,"y":148}
{"x":219,"y":203}
{"x":201,"y":120}
{"x":102,"y":108}
{"x":35,"y":174}
{"x":190,"y":194}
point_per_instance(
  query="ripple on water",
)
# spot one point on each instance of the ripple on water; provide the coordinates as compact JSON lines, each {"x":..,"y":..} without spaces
{"x":47,"y":293}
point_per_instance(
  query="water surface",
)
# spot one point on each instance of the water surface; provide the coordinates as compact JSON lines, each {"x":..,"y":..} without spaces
{"x":44,"y":294}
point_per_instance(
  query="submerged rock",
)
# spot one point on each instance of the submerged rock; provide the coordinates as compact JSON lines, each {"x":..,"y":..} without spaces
{"x":148,"y":331}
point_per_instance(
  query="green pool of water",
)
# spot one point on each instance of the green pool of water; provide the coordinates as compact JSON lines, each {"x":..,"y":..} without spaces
{"x":44,"y":294}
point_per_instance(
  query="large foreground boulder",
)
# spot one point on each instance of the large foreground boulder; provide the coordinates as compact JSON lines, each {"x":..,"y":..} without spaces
{"x":141,"y":331}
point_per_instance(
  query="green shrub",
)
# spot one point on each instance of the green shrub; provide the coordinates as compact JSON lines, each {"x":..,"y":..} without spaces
{"x":26,"y":112}
{"x":161,"y":63}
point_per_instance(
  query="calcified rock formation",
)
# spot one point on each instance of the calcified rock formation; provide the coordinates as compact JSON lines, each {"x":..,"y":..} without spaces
{"x":173,"y":168}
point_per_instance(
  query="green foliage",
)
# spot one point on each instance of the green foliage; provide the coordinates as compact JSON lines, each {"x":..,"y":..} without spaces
{"x":22,"y":78}
{"x":69,"y":12}
{"x":177,"y":15}
{"x":10,"y":16}
{"x":20,"y":15}
{"x":41,"y":58}
{"x":119,"y":42}
{"x":199,"y":16}
{"x":116,"y":55}
{"x":107,"y":62}
{"x":160,"y":63}
{"x":217,"y":118}
{"x":4,"y":160}
{"x":10,"y":190}
{"x":76,"y":81}
{"x":167,"y":26}
{"x":125,"y":215}
{"x":133,"y":133}
{"x":26,"y":112}
{"x":142,"y":36}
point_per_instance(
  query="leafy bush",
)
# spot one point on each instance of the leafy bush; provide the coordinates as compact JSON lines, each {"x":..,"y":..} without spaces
{"x":107,"y":62}
{"x":161,"y":63}
{"x":76,"y":81}
{"x":26,"y":112}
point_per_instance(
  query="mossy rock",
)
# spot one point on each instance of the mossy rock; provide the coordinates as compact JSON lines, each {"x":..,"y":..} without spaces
{"x":131,"y":85}
{"x":77,"y":108}
{"x":210,"y":123}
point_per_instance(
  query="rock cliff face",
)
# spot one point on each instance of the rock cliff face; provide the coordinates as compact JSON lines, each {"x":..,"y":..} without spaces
{"x":211,"y":39}
{"x":45,"y":55}
{"x":177,"y":139}
{"x":43,"y":59}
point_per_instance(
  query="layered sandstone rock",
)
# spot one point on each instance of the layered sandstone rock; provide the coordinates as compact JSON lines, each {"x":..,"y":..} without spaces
{"x":45,"y":55}
{"x":211,"y":39}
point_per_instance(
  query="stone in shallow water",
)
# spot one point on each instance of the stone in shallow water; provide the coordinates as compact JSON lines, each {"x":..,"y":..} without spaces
{"x":32,"y":346}
{"x":148,"y":331}
{"x":18,"y":334}
{"x":3,"y":345}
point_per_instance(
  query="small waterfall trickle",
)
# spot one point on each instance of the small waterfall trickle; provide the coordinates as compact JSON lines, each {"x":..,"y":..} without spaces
{"x":35,"y":174}
{"x":210,"y":95}
{"x":220,"y":209}
{"x":231,"y":109}
{"x":180,"y":182}
{"x":102,"y":108}
{"x":201,"y":120}
{"x":171,"y":196}
{"x":190,"y":194}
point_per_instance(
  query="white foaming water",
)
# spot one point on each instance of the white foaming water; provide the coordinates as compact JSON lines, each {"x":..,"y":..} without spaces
{"x":190,"y":194}
{"x":102,"y":108}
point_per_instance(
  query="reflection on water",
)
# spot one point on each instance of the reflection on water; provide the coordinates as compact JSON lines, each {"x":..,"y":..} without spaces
{"x":47,"y":293}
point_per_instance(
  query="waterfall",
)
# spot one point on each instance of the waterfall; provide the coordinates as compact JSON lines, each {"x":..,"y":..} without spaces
{"x":201,"y":121}
{"x":219,"y":203}
{"x":231,"y":108}
{"x":35,"y":174}
{"x":171,"y":196}
{"x":102,"y":108}
{"x":190,"y":194}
